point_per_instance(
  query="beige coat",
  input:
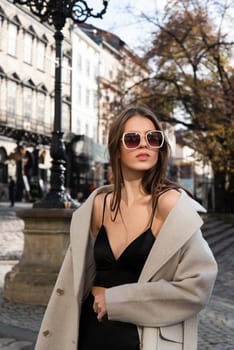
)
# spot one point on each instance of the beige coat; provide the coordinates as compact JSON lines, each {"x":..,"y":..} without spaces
{"x":175,"y":284}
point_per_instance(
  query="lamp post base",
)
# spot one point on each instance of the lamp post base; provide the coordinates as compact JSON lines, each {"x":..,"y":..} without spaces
{"x":57,"y":200}
{"x":46,"y":238}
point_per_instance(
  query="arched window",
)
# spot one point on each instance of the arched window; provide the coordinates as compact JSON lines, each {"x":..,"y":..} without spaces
{"x":28,"y":42}
{"x":65,"y":117}
{"x":41,"y":100}
{"x":11,"y":98}
{"x":13,"y":28}
{"x":3,"y":167}
{"x":28,"y":90}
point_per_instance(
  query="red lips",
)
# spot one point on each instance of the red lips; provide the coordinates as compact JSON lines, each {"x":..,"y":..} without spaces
{"x":143,"y":156}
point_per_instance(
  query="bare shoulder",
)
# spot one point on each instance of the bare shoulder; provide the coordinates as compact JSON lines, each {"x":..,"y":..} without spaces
{"x":98,"y":200}
{"x":167,"y":202}
{"x":98,"y":203}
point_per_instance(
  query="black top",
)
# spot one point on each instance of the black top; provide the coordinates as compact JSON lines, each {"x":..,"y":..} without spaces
{"x":112,"y":271}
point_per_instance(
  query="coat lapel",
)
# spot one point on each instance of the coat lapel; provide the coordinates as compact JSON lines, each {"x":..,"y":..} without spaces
{"x":179,"y":226}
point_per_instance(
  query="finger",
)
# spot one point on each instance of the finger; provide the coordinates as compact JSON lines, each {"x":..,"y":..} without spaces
{"x":101,"y":315}
{"x":95,"y":307}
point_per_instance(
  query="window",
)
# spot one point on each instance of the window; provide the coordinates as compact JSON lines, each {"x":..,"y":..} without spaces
{"x":79,"y":62}
{"x":88,"y":68}
{"x":95,"y":100}
{"x":27,"y":100}
{"x":12,"y":38}
{"x":41,"y":55}
{"x":11,"y":98}
{"x":53,"y":59}
{"x":78,"y":127}
{"x":94,"y":136}
{"x":1,"y":31}
{"x":28,"y":40}
{"x":87,"y":97}
{"x":52,"y":107}
{"x":1,"y":91}
{"x":86,"y":129}
{"x":65,"y":71}
{"x":79,"y":93}
{"x":110,"y":73}
{"x":65,"y":117}
{"x":95,"y":75}
{"x":40,"y":106}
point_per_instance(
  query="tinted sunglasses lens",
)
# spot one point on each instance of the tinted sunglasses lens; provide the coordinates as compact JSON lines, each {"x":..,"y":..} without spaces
{"x":132,"y":140}
{"x":155,"y":138}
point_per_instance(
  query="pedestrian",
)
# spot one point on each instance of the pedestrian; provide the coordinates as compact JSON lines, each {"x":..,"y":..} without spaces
{"x":11,"y":187}
{"x":199,"y":193}
{"x":138,"y":270}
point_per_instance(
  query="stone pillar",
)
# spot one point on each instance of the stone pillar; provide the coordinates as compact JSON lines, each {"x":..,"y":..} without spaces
{"x":46,"y":238}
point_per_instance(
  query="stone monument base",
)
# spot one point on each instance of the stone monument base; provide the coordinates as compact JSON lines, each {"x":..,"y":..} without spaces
{"x":46,"y":238}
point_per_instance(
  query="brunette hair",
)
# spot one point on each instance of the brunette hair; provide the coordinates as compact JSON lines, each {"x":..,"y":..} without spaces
{"x":154,"y":180}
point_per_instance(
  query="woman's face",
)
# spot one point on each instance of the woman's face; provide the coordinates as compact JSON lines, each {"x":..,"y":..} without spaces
{"x":143,"y":157}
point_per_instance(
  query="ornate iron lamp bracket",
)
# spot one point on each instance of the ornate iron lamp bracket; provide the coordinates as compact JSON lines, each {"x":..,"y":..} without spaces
{"x":57,"y":11}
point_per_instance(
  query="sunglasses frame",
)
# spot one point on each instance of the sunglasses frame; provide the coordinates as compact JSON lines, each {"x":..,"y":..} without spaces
{"x":146,"y":139}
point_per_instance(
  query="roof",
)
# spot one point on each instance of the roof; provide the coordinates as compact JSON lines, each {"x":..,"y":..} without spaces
{"x":101,"y":35}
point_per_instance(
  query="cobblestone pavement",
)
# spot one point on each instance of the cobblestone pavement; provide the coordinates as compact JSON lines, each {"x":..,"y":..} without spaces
{"x":19,"y":323}
{"x":216,"y":329}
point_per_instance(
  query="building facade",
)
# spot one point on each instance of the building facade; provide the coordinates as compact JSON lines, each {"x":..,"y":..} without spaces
{"x":85,"y":70}
{"x":193,"y":173}
{"x":27,"y":70}
{"x":97,"y":69}
{"x":102,"y":69}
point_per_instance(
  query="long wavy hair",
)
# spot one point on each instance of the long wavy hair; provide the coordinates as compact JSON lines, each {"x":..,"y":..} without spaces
{"x":154,"y":180}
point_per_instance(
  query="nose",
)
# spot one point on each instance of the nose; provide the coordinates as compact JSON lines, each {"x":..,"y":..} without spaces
{"x":143,"y":142}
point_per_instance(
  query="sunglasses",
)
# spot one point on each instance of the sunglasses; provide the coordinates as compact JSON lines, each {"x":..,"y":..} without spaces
{"x":132,"y":140}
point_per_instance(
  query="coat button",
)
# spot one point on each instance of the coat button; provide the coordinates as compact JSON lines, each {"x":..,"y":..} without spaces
{"x":59,"y":291}
{"x":47,"y":333}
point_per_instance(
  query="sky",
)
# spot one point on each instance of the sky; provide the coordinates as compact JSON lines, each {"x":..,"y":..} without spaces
{"x":122,"y":18}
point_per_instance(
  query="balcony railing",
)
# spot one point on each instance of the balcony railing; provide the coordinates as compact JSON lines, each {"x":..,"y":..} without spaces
{"x":17,"y":121}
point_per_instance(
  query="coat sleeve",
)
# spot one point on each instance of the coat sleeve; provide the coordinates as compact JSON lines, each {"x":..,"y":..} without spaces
{"x":163,"y":302}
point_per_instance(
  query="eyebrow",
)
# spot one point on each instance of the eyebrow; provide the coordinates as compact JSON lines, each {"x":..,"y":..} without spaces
{"x":141,"y":132}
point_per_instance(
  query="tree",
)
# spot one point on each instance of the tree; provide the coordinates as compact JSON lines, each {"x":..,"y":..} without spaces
{"x":190,"y":56}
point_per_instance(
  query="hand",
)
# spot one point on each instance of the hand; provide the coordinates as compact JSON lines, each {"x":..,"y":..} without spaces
{"x":99,"y":305}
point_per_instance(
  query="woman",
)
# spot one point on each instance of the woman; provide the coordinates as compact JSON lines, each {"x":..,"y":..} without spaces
{"x":138,"y":270}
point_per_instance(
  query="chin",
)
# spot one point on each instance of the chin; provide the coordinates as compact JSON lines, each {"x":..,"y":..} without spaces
{"x":144,"y":167}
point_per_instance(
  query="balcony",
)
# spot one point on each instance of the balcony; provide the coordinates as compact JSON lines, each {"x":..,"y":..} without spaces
{"x":31,"y":131}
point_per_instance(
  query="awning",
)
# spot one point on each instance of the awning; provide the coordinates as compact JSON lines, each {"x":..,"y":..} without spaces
{"x":100,"y":153}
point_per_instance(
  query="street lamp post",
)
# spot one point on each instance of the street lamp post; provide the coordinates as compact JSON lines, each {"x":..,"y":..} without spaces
{"x":56,"y":12}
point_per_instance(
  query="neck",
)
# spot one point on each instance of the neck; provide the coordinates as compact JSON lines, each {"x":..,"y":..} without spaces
{"x":132,"y":191}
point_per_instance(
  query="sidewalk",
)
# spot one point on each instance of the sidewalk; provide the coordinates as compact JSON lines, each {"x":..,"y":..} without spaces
{"x":6,"y":208}
{"x":19,"y":324}
{"x":216,"y":329}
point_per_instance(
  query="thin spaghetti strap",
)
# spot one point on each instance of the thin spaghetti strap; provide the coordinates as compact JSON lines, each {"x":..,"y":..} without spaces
{"x":153,"y":213}
{"x":104,"y":207}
